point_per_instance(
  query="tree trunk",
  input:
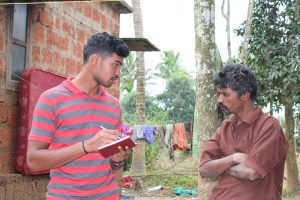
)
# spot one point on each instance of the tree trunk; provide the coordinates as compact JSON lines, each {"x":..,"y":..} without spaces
{"x":138,"y":164}
{"x":205,"y":106}
{"x":227,"y":18}
{"x":244,"y":51}
{"x":291,"y":161}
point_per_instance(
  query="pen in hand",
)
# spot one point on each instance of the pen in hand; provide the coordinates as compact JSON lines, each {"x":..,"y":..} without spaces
{"x":103,"y":128}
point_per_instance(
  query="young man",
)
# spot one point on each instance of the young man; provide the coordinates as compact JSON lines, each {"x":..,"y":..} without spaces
{"x":65,"y":133}
{"x":247,"y":153}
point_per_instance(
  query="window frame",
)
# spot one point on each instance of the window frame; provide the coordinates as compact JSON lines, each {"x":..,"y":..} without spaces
{"x":11,"y":84}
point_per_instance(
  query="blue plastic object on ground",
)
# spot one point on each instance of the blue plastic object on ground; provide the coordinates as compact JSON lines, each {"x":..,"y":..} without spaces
{"x":125,"y":197}
{"x":182,"y":191}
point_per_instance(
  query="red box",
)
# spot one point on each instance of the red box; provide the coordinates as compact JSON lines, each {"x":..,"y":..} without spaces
{"x":32,"y":83}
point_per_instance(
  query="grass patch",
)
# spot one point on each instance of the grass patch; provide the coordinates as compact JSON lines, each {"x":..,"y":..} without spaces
{"x":286,"y":194}
{"x":172,"y":181}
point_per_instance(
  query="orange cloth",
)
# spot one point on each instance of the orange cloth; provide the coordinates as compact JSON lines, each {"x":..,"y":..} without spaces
{"x":179,"y":139}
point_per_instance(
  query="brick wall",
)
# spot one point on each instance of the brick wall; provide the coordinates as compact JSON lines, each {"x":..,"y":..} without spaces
{"x":8,"y":107}
{"x":58,"y":32}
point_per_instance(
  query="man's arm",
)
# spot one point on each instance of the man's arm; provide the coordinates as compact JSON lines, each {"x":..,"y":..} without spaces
{"x":265,"y":154}
{"x":214,"y":168}
{"x":243,"y":172}
{"x":40,"y":158}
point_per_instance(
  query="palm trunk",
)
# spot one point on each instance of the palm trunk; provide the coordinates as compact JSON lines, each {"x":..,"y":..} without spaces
{"x":138,"y":164}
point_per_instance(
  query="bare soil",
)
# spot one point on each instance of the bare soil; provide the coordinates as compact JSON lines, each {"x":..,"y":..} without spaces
{"x":181,"y":164}
{"x":165,"y":194}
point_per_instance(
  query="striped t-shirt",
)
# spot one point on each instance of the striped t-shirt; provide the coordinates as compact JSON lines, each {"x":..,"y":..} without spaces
{"x":63,"y":116}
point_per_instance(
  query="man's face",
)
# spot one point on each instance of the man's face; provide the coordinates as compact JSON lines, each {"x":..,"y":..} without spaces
{"x":229,"y":101}
{"x":108,"y":69}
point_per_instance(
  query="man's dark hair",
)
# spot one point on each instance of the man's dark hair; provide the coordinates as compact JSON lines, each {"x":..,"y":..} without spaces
{"x":105,"y":45}
{"x":239,"y":78}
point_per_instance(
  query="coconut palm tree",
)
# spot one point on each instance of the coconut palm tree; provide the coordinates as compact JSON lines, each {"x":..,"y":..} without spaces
{"x":138,"y":164}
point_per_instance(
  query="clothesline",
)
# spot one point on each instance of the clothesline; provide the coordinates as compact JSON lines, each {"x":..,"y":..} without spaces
{"x":185,"y":122}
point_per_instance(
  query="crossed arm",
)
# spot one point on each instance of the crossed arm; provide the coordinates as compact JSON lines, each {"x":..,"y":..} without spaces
{"x":232,"y":164}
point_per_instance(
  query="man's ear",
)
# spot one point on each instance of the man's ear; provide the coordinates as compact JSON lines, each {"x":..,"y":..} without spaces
{"x":246,"y":96}
{"x":94,"y":58}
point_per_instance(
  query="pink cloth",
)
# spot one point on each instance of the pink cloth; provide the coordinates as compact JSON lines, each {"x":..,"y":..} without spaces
{"x":126,"y":129}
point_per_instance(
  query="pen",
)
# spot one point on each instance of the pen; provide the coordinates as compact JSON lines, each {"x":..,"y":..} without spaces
{"x":103,"y":128}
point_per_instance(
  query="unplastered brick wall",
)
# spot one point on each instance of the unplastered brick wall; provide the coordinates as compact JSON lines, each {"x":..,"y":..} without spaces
{"x":58,"y":32}
{"x":8,"y":106}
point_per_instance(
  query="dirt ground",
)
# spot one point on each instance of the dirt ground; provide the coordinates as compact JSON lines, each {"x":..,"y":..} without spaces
{"x":165,"y":194}
{"x":182,"y":164}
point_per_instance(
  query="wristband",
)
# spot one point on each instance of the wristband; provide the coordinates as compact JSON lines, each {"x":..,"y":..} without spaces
{"x":82,"y":142}
{"x":117,"y":164}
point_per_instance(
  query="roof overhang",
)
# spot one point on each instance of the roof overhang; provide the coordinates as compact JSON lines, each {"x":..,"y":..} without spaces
{"x":140,"y":44}
{"x":121,"y":5}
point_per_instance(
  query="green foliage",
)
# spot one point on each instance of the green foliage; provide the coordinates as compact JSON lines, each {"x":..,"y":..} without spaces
{"x":274,"y":51}
{"x":286,"y":193}
{"x":128,"y":74}
{"x":172,"y":181}
{"x":170,"y":66}
{"x":179,"y":99}
{"x":127,"y":163}
{"x":152,"y":153}
{"x":176,"y":104}
{"x":154,"y":114}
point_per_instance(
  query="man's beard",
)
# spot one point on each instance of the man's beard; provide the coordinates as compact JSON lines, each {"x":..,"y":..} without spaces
{"x":223,"y":109}
{"x":109,"y":83}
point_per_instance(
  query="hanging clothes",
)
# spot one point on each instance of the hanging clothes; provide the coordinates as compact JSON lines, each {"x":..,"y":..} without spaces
{"x":137,"y":133}
{"x":148,"y":133}
{"x":169,"y":139}
{"x":126,"y":129}
{"x":180,"y":139}
{"x":169,"y":134}
{"x":160,"y":134}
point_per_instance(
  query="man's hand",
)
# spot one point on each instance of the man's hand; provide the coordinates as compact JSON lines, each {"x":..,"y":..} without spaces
{"x":214,"y":168}
{"x":122,"y":155}
{"x":239,"y":157}
{"x":103,"y":137}
{"x":240,"y":170}
{"x":117,"y":160}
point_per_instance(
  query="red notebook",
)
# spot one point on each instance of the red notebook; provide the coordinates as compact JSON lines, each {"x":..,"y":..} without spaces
{"x":112,"y":148}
